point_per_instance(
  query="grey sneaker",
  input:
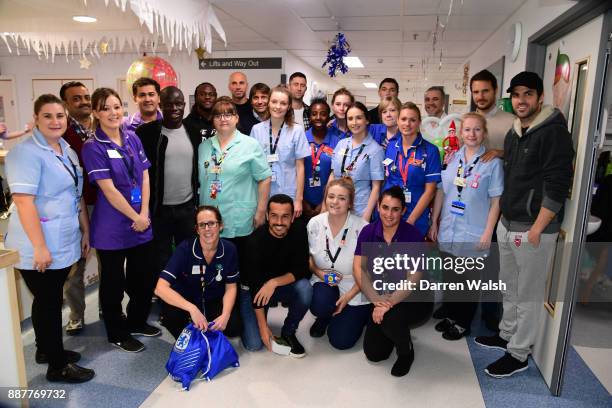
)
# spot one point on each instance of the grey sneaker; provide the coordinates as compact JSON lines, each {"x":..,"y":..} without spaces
{"x":74,"y":327}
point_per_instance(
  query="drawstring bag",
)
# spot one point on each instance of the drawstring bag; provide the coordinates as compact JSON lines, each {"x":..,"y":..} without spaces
{"x":199,"y":355}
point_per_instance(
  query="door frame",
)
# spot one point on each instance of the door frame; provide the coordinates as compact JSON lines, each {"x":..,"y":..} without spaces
{"x":580,"y":14}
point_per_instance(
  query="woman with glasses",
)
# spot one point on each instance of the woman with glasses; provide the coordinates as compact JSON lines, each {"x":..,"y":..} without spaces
{"x":235,"y":177}
{"x":200,"y":281}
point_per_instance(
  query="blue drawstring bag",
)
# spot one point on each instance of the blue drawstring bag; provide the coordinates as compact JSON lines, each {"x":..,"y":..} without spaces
{"x":197,"y":351}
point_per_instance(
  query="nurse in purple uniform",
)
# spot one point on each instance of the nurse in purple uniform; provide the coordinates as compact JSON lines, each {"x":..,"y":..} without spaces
{"x":120,"y":225}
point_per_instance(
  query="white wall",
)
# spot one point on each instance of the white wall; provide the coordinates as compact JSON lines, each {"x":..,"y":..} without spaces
{"x":533,"y":16}
{"x":108,"y":70}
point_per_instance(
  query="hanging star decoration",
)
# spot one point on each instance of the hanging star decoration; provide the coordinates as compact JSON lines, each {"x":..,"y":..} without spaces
{"x":104,"y":47}
{"x":85,"y":63}
{"x":200,"y":52}
{"x":339,"y":49}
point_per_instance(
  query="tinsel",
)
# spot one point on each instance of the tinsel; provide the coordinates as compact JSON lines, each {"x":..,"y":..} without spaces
{"x":339,"y":49}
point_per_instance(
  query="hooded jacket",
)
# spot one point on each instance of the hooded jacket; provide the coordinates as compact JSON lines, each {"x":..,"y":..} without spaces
{"x":538,"y":170}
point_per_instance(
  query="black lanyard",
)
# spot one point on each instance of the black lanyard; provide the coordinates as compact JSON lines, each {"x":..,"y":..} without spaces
{"x":220,"y":161}
{"x":73,"y":173}
{"x":352,"y":164}
{"x":273,"y":146}
{"x":129,"y":164}
{"x":467,"y":173}
{"x":335,"y":257}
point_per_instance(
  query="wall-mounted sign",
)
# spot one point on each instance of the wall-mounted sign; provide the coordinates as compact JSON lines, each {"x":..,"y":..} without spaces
{"x":459,"y":102}
{"x":241,"y":63}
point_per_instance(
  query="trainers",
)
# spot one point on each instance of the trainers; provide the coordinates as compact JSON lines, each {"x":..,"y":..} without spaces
{"x":493,"y":342}
{"x":297,"y":350}
{"x":455,"y":332}
{"x":147,"y":330}
{"x":74,"y":327}
{"x":71,"y":373}
{"x":71,"y":357}
{"x":318,"y":328}
{"x":131,"y":345}
{"x":403,"y":363}
{"x":444,"y":325}
{"x":506,"y":366}
{"x":440,"y":313}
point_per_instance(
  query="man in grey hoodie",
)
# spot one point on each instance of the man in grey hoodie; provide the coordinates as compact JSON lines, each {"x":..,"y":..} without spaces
{"x":538,"y":155}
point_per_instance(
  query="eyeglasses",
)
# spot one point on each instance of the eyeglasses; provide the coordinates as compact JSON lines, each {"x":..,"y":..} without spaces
{"x":209,"y":224}
{"x":223,"y":116}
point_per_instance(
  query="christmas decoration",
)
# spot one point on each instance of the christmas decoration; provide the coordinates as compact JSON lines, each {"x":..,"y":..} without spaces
{"x":339,"y":49}
{"x":151,"y":67}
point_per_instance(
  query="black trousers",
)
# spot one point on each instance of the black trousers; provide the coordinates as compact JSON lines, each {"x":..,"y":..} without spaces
{"x":241,"y":247}
{"x":394,"y":330}
{"x":172,"y":225}
{"x":48,"y":290}
{"x":175,"y":319}
{"x":137,"y":279}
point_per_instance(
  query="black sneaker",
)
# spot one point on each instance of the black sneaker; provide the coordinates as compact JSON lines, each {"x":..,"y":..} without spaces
{"x":403,"y":364}
{"x":318,"y":328}
{"x":440,"y":313}
{"x":493,"y":342}
{"x":297,"y":350}
{"x":71,"y":373}
{"x":491,"y":323}
{"x":71,"y":357}
{"x":444,"y":325}
{"x":506,"y":366}
{"x":455,"y":332}
{"x":131,"y":345}
{"x":147,"y":330}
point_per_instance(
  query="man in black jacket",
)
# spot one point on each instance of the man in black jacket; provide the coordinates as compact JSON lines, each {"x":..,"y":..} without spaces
{"x":172,"y":148}
{"x":538,"y":155}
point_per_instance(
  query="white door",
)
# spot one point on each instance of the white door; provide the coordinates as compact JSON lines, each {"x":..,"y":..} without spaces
{"x":8,"y":109}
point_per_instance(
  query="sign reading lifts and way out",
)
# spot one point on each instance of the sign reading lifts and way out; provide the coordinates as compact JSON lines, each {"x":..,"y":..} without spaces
{"x":241,"y":63}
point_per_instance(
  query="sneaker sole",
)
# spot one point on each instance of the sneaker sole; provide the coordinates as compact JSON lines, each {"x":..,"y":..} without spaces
{"x":129,"y":351}
{"x":506,"y":375}
{"x":146,"y":335}
{"x":490,"y":347}
{"x":297,"y":355}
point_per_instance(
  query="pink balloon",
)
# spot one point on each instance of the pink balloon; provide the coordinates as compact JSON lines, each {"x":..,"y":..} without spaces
{"x":151,"y":67}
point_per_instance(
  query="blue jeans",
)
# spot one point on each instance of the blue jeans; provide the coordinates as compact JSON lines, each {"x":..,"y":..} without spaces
{"x":346,"y":327}
{"x":297,"y":295}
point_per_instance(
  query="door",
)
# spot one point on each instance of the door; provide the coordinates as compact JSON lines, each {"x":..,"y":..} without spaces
{"x":8,"y":109}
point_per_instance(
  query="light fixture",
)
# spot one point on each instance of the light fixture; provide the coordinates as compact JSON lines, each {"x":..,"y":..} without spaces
{"x":371,"y":85}
{"x":84,"y":19}
{"x":353,"y":62}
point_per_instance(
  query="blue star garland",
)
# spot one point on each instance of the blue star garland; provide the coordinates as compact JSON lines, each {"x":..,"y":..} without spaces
{"x":339,"y":49}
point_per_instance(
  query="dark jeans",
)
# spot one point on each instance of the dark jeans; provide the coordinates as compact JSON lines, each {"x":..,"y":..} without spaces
{"x":175,"y":319}
{"x":172,"y":225}
{"x":297,"y":296}
{"x":394,"y":330}
{"x":137,"y":279}
{"x":47,"y":288}
{"x":345,"y":328}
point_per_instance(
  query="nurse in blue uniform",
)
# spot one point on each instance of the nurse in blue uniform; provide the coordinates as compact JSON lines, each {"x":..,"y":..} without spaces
{"x":388,"y":110}
{"x":413,"y":164}
{"x":317,"y":166}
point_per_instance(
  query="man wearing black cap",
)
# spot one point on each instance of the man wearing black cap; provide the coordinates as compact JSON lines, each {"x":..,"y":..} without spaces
{"x":538,"y":154}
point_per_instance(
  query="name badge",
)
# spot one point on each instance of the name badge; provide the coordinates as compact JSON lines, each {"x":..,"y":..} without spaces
{"x":272,"y":158}
{"x":460,"y":182}
{"x":273,"y":177}
{"x":215,"y":170}
{"x":136,"y":195}
{"x":407,"y":196}
{"x":195,"y":270}
{"x":215,"y":188}
{"x":113,"y":154}
{"x":314,"y":182}
{"x":458,"y":208}
{"x":387,"y":162}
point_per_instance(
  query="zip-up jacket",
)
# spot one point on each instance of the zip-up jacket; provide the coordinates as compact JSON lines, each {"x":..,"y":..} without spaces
{"x":155,"y":144}
{"x":537,"y":171}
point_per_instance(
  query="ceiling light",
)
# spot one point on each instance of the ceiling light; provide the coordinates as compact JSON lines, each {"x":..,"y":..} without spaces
{"x":371,"y":85}
{"x":353,"y":62}
{"x":84,"y":19}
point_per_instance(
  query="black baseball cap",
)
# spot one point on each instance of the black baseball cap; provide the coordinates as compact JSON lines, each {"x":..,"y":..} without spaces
{"x":529,"y":79}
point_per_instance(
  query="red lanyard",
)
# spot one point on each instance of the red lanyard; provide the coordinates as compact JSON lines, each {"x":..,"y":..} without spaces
{"x":316,"y":156}
{"x":404,"y":169}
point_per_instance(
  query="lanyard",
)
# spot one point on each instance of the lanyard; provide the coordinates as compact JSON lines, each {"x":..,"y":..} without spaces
{"x":316,"y":156}
{"x":335,"y":257}
{"x":352,"y":164}
{"x":220,"y":161}
{"x":273,"y":146}
{"x":129,"y":164}
{"x":467,"y":173}
{"x":403,"y":169}
{"x":73,"y":173}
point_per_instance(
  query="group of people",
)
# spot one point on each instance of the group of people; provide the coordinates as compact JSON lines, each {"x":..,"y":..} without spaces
{"x":253,"y":200}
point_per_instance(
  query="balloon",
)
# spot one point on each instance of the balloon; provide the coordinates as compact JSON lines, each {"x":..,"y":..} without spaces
{"x":151,"y":67}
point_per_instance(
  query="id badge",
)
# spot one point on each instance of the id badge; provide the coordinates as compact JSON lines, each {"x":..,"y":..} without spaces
{"x":314,"y":182}
{"x":407,"y":196}
{"x":215,"y":170}
{"x":136,"y":195}
{"x":273,"y":176}
{"x":215,"y":188}
{"x":273,"y":158}
{"x":458,"y":208}
{"x":460,"y":182}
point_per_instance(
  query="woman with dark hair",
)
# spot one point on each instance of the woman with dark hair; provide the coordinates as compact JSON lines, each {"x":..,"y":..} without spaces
{"x":200,"y":281}
{"x":120,"y":225}
{"x":318,"y":164}
{"x":49,"y":230}
{"x":360,"y":158}
{"x":285,"y":146}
